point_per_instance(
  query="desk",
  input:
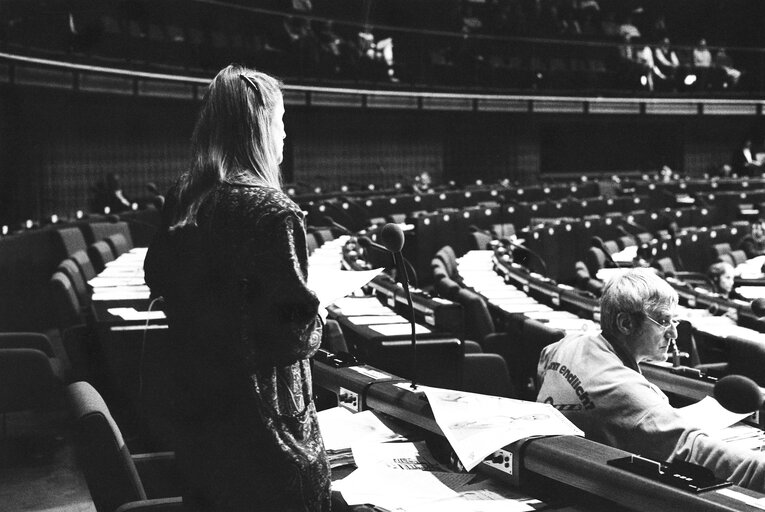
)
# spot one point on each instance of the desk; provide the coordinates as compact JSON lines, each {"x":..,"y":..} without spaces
{"x":557,"y":469}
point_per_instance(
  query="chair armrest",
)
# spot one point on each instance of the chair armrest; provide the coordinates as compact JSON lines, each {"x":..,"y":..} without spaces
{"x":159,"y":474}
{"x":155,"y":505}
{"x":33,"y":340}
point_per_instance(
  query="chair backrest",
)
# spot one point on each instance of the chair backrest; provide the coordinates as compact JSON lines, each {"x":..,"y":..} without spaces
{"x":119,"y":244}
{"x":626,"y":241}
{"x":739,"y":257}
{"x":65,"y":301}
{"x":478,"y":320}
{"x":747,"y":358}
{"x":86,"y":266}
{"x":70,"y":268}
{"x":105,"y":460}
{"x":100,"y":254}
{"x":311,"y":242}
{"x":611,"y":245}
{"x":720,"y":249}
{"x":535,"y":336}
{"x":594,"y":260}
{"x":27,"y":380}
{"x":72,"y":240}
{"x":487,"y":374}
{"x":479,"y":240}
{"x":726,"y":258}
{"x":449,"y":258}
{"x":665,"y":265}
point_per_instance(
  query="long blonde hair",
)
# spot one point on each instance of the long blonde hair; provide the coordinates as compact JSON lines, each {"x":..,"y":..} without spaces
{"x":233,"y":140}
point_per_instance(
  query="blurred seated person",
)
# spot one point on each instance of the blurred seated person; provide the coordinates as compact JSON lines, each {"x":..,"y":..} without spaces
{"x":423,"y":183}
{"x":667,"y":61}
{"x":108,"y":196}
{"x":745,"y":163}
{"x":724,"y":62}
{"x":652,"y":73}
{"x":594,"y":379}
{"x":722,"y":275}
{"x":753,"y":244}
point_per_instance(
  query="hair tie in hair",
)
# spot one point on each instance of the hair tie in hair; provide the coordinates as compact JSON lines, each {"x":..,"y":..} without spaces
{"x":249,"y":81}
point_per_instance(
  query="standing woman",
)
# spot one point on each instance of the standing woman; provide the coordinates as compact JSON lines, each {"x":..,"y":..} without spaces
{"x":231,"y":263}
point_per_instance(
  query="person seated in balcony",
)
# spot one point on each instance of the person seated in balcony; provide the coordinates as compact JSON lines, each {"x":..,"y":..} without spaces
{"x":595,"y":380}
{"x":745,"y":161}
{"x":724,"y":62}
{"x":667,"y":61}
{"x":652,"y":75}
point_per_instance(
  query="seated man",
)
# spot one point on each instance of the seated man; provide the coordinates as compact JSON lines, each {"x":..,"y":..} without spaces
{"x":594,"y":379}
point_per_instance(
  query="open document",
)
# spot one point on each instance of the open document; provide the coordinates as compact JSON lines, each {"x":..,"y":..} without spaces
{"x":477,"y":425}
{"x":331,"y":285}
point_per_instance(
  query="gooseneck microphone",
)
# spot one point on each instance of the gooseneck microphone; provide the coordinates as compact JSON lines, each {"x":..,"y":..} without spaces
{"x":329,"y":221}
{"x":393,"y":239}
{"x":758,"y":307}
{"x":598,"y":243}
{"x":738,"y":394}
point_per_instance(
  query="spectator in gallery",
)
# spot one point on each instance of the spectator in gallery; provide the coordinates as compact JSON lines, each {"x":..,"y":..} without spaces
{"x":108,"y":196}
{"x":702,"y":57}
{"x":724,"y":62}
{"x":667,"y":61}
{"x":745,"y":161}
{"x":652,"y":75}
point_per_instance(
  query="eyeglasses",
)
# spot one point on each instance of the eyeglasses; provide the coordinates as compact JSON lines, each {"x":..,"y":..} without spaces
{"x":666,"y":324}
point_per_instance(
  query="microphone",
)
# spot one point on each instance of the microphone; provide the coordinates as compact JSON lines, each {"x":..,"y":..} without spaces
{"x":331,"y":222}
{"x":738,"y":394}
{"x":367,"y":243}
{"x":528,"y":251}
{"x":598,"y":243}
{"x":393,"y":239}
{"x":758,"y":307}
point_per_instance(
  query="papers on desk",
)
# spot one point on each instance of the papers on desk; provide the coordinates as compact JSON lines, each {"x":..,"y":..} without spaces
{"x":477,"y":425}
{"x":399,"y":329}
{"x":711,"y":414}
{"x":605,"y":274}
{"x":751,"y":292}
{"x":133,"y":314}
{"x":102,"y":281}
{"x":341,"y":429}
{"x":362,"y":306}
{"x":626,"y":255}
{"x":378,"y":320}
{"x":121,"y":293}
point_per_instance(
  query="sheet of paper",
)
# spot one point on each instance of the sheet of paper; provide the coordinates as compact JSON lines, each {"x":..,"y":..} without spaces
{"x":397,"y":456}
{"x":341,"y":429}
{"x":398,"y":329}
{"x":102,"y":281}
{"x":362,"y":306}
{"x":332,"y":285}
{"x":395,"y":490}
{"x":477,"y":425}
{"x":127,"y":293}
{"x":378,"y":320}
{"x":133,"y":314}
{"x":711,"y":414}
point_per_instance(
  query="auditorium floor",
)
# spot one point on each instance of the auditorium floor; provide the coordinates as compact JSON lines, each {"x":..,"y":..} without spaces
{"x":38,"y":471}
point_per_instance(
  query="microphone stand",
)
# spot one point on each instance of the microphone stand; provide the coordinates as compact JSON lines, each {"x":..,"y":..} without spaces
{"x":399,"y":260}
